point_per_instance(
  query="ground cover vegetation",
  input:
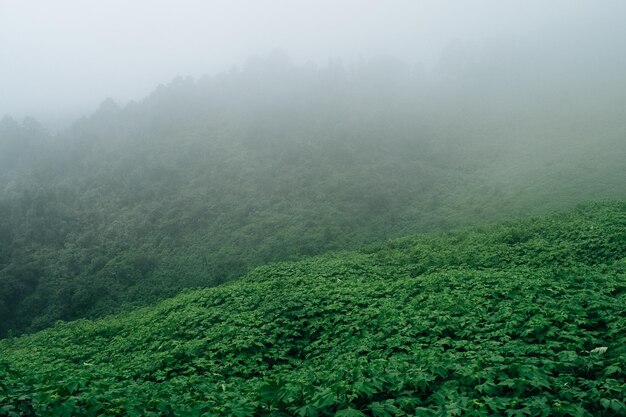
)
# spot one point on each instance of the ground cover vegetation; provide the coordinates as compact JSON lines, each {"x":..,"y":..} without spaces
{"x":525,"y":318}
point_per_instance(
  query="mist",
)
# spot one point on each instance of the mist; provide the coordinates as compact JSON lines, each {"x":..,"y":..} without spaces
{"x":60,"y":60}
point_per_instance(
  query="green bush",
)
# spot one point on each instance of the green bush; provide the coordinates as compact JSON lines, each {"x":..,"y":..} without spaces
{"x":537,"y":330}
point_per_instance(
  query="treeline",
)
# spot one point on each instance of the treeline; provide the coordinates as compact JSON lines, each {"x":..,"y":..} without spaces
{"x":206,"y":178}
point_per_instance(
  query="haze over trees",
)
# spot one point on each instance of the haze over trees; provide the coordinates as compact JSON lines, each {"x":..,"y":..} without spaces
{"x":206,"y":178}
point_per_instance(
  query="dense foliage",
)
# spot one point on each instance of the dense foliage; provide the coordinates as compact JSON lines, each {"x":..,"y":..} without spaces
{"x":205,"y":179}
{"x":522,"y":319}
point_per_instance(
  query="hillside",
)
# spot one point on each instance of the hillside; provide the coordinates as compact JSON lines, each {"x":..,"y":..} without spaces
{"x":522,"y":318}
{"x":205,"y":179}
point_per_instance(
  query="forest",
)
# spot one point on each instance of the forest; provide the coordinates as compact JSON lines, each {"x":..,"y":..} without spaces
{"x":205,"y":179}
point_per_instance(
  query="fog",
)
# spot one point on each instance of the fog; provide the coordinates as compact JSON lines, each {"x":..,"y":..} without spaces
{"x":59,"y":60}
{"x":178,"y":145}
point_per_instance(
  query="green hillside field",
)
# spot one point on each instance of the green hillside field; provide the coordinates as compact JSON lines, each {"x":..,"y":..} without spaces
{"x":526,"y":318}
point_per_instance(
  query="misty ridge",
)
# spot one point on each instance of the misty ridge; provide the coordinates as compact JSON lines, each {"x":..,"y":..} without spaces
{"x":204,"y":179}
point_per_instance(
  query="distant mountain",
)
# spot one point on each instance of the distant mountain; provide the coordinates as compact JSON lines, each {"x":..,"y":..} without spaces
{"x":205,"y":179}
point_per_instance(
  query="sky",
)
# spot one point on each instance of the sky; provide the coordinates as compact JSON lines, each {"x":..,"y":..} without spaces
{"x":59,"y":59}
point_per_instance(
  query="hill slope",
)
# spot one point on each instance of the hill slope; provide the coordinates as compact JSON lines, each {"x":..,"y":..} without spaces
{"x":203,"y":180}
{"x":525,"y":318}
